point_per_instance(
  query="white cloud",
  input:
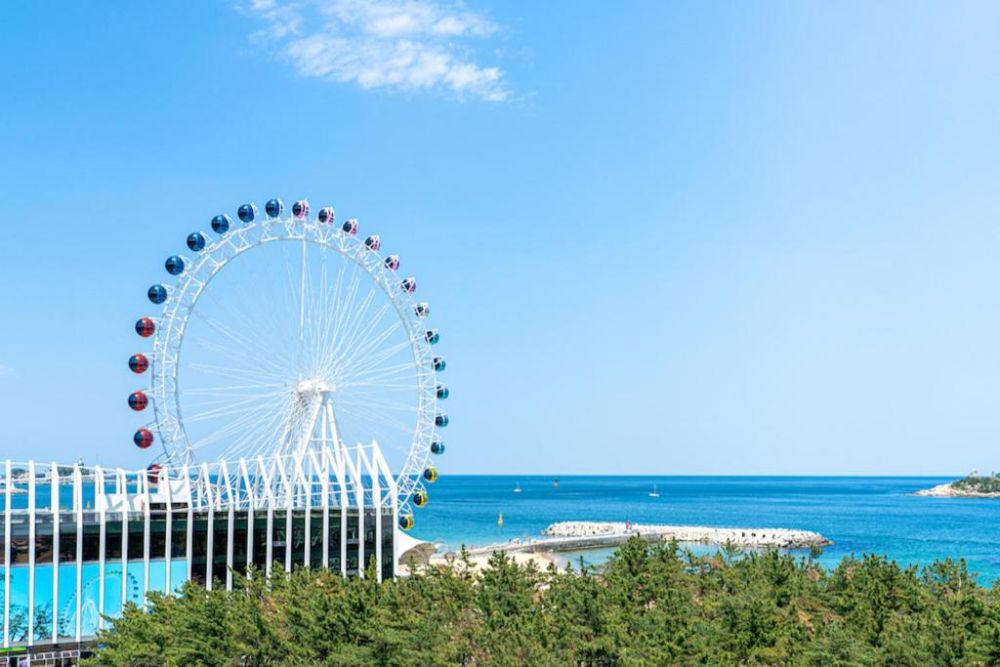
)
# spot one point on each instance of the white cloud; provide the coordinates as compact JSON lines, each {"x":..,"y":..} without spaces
{"x":394,"y":44}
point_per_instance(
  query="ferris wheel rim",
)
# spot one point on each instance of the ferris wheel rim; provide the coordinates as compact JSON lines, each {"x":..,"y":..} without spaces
{"x":191,"y":284}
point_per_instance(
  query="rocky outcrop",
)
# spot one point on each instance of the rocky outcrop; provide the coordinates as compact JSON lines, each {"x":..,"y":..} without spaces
{"x":949,"y":490}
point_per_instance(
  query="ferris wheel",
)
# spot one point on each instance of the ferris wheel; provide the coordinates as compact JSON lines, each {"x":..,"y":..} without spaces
{"x":278,"y":327}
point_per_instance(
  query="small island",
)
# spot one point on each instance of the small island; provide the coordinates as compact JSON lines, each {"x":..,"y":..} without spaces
{"x":972,"y":486}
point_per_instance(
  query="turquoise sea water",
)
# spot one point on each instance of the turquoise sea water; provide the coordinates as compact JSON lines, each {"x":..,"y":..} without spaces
{"x":860,"y":514}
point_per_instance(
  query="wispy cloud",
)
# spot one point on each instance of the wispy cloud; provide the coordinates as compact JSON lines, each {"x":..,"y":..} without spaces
{"x":5,"y":370}
{"x":393,"y":44}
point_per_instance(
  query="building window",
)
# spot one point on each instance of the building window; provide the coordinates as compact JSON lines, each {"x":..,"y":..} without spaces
{"x":19,"y":547}
{"x":278,"y":538}
{"x":387,"y":526}
{"x":113,"y":540}
{"x":316,"y":539}
{"x":91,"y":542}
{"x":136,"y":539}
{"x":43,"y":544}
{"x":260,"y":540}
{"x":67,"y":543}
{"x":335,"y":532}
{"x":240,"y":542}
{"x":178,"y":537}
{"x":157,"y":536}
{"x":298,"y":539}
{"x":220,"y":545}
{"x":199,"y":549}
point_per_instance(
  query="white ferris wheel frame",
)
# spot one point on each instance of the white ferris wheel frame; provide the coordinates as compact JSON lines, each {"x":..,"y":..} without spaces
{"x":212,"y":259}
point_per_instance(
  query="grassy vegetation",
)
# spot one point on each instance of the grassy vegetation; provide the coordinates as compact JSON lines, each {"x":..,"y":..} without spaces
{"x":651,"y":605}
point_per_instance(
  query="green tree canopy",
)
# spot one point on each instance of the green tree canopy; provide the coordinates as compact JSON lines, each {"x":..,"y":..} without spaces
{"x":652,"y":604}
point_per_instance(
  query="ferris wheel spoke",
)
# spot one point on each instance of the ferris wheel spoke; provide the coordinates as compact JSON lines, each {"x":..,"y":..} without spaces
{"x":258,"y":440}
{"x":362,"y":323}
{"x":273,"y":423}
{"x":205,"y":395}
{"x":374,"y":341}
{"x":255,"y":441}
{"x":376,"y":417}
{"x":351,"y":354}
{"x":238,"y":309}
{"x":348,"y":335}
{"x":369,"y":414}
{"x":262,"y":366}
{"x":240,"y":343}
{"x":398,"y":419}
{"x":208,"y":416}
{"x":199,"y":404}
{"x":388,"y":405}
{"x":395,"y":369}
{"x":366,"y":363}
{"x":247,"y":422}
{"x":315,"y":315}
{"x":326,"y":314}
{"x":246,"y":374}
{"x":232,"y":388}
{"x":362,"y":344}
{"x":380,"y":374}
{"x":397,"y":382}
{"x":381,"y":387}
{"x":346,"y":315}
{"x":302,"y":291}
{"x":332,"y":333}
{"x":233,"y":407}
{"x":225,"y":331}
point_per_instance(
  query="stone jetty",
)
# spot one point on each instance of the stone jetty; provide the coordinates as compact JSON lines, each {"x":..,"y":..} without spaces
{"x":578,"y":535}
{"x":776,"y":538}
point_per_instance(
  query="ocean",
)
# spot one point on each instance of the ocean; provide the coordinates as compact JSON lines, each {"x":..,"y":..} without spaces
{"x":860,"y":514}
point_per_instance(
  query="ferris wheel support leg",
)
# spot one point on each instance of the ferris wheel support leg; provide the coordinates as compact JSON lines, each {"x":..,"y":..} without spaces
{"x":333,"y":433}
{"x":310,"y":432}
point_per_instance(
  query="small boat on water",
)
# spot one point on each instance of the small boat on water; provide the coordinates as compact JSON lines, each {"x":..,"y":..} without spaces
{"x":555,"y":484}
{"x":517,"y":487}
{"x":500,"y":520}
{"x":654,"y":493}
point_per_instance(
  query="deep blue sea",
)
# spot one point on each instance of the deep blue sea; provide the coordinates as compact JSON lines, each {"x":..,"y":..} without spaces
{"x":860,"y":514}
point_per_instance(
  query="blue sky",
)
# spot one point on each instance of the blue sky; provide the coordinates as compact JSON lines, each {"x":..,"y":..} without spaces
{"x":679,"y":238}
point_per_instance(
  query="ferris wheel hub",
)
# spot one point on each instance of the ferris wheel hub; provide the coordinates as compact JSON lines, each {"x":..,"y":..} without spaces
{"x":314,"y":386}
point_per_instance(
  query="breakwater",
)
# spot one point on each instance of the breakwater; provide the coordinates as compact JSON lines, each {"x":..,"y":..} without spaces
{"x":779,"y":538}
{"x":577,"y":535}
